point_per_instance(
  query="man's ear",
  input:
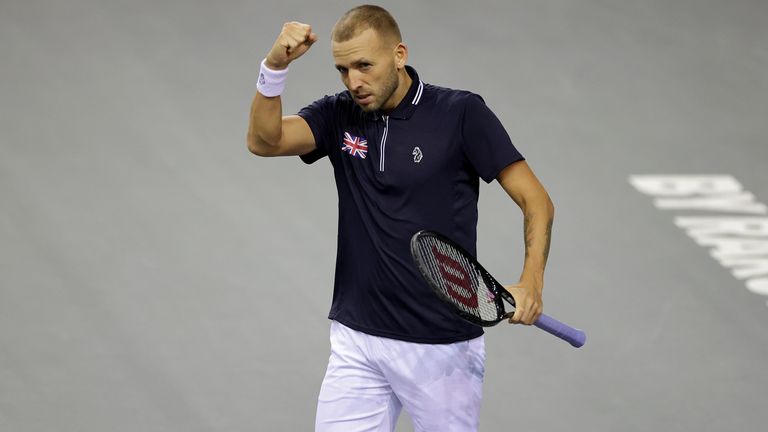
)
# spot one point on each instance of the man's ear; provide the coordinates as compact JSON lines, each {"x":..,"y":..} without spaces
{"x":401,"y":55}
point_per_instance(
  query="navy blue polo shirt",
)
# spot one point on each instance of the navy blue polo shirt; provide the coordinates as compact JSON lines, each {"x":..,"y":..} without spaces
{"x":416,"y":168}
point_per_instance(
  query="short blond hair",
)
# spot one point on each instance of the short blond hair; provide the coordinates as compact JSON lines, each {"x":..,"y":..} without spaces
{"x":361,"y":18}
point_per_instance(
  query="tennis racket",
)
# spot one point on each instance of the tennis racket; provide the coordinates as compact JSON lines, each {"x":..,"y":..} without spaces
{"x":459,"y":280}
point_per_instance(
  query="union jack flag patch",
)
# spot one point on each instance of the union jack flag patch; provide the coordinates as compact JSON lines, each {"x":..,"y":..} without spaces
{"x":355,"y":146}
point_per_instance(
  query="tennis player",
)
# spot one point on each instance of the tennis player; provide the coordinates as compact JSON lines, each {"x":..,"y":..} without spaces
{"x":406,"y":156}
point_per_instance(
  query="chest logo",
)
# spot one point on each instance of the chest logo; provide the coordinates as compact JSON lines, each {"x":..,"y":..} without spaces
{"x":417,"y":155}
{"x":354,"y":145}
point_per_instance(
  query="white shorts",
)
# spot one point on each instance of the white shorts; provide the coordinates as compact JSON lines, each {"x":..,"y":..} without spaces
{"x":370,"y":379}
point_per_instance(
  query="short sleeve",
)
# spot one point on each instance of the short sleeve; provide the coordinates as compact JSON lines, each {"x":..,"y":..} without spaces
{"x":320,"y":116}
{"x":485,"y":142}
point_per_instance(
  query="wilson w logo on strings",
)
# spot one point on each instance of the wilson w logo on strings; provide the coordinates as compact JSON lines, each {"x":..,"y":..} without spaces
{"x":457,"y":280}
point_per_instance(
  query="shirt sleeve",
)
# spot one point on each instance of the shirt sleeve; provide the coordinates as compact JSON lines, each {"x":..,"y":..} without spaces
{"x":485,"y":142}
{"x":320,"y":116}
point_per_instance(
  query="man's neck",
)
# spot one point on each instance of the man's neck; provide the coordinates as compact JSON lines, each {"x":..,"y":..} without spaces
{"x":404,"y":85}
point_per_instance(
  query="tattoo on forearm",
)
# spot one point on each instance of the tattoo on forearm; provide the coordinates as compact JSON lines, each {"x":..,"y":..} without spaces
{"x":530,"y":235}
{"x":547,"y":239}
{"x":527,"y":233}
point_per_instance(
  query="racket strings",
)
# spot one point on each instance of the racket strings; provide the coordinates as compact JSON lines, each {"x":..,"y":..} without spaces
{"x":458,"y":279}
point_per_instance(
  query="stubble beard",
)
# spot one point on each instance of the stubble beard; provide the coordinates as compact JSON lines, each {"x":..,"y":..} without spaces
{"x":388,"y":90}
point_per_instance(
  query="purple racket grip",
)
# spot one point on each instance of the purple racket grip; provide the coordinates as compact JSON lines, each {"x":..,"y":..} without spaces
{"x":565,"y":332}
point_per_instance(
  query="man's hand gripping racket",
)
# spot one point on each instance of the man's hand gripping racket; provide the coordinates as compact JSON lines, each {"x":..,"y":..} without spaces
{"x":459,"y":280}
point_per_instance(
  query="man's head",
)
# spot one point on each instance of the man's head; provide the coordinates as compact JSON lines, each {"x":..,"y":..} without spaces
{"x":370,"y":55}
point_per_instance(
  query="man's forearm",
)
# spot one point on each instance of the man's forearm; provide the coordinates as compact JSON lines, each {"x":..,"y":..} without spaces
{"x":538,"y":217}
{"x":265,"y":127}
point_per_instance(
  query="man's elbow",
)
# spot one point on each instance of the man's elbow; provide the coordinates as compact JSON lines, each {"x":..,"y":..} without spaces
{"x":549,"y":204}
{"x":260,"y":147}
{"x":539,"y":202}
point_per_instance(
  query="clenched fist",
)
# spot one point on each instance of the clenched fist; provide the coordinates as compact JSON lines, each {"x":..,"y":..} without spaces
{"x":294,"y":40}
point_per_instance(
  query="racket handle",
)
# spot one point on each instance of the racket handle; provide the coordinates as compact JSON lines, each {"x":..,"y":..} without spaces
{"x":565,"y":332}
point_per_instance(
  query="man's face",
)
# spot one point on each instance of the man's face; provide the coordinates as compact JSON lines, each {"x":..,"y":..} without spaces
{"x":368,"y":69}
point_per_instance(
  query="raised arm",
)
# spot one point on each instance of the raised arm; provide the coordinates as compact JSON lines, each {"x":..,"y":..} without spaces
{"x":538,"y":213}
{"x":269,"y":132}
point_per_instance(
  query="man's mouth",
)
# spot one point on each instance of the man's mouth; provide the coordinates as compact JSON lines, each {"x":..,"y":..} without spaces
{"x":364,"y":99}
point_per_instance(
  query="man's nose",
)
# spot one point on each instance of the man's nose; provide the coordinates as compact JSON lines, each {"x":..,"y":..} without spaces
{"x":355,"y":80}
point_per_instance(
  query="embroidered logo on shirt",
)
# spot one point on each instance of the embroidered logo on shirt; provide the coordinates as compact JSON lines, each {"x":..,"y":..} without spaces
{"x":417,"y":155}
{"x":354,"y":145}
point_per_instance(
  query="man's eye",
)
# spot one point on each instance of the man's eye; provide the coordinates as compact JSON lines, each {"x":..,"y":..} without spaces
{"x":342,"y":70}
{"x":365,"y":66}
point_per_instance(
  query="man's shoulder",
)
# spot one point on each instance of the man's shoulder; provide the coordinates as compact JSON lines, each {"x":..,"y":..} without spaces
{"x":339,"y":99}
{"x":339,"y":104}
{"x":452,"y":96}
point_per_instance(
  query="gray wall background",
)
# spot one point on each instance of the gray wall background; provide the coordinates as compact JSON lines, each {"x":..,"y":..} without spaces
{"x":154,"y":276}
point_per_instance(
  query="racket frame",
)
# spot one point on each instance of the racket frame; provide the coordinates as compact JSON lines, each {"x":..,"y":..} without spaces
{"x":498,"y":290}
{"x":574,"y":336}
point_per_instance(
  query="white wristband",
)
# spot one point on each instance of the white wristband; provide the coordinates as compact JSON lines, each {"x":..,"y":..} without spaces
{"x":271,"y":82}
